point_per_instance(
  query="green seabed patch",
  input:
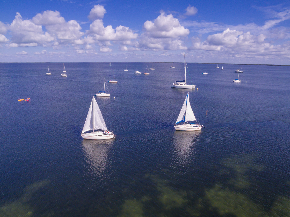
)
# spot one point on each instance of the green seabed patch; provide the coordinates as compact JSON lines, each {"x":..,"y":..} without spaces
{"x":233,"y":197}
{"x":21,"y":207}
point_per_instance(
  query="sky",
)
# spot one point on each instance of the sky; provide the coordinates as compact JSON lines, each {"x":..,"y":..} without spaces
{"x":221,"y":31}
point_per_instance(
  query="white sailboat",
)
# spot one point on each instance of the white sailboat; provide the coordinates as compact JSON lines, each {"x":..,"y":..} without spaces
{"x":126,"y":70}
{"x":103,"y":93}
{"x":48,"y":72}
{"x":183,"y":84}
{"x":63,"y":74}
{"x":95,"y":126}
{"x":186,"y":120}
{"x":217,"y":66}
{"x":237,"y":80}
{"x":222,"y":67}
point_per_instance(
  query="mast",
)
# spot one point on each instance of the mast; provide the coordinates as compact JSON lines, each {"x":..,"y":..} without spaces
{"x":93,"y":114}
{"x":184,"y":70}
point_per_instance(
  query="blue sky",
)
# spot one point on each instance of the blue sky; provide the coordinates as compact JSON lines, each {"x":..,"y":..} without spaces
{"x":145,"y":31}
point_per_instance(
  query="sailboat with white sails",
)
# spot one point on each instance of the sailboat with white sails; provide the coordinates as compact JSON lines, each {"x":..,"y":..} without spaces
{"x":63,"y":74}
{"x":48,"y":72}
{"x":183,"y":84}
{"x":95,"y":126}
{"x":186,"y":120}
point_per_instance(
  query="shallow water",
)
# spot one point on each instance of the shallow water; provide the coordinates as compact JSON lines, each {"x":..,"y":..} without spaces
{"x":238,"y":165}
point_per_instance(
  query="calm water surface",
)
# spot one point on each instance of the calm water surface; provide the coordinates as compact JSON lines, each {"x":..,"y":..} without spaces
{"x":238,"y":165}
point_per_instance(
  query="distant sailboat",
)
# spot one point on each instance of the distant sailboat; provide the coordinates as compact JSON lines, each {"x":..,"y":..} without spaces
{"x":48,"y":72}
{"x":237,"y":80}
{"x":222,"y":67}
{"x":183,"y":84}
{"x":63,"y":74}
{"x":186,"y":120}
{"x":238,"y":71}
{"x":95,"y":126}
{"x":126,"y":70}
{"x":103,"y":93}
{"x":217,"y":66}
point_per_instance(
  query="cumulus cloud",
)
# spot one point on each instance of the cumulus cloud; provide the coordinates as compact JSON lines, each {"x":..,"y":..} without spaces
{"x":22,"y":53}
{"x":164,"y":33}
{"x":99,"y":32}
{"x":27,"y":32}
{"x":97,"y":12}
{"x":48,"y":18}
{"x":3,"y":28}
{"x":3,"y":38}
{"x":58,"y":27}
{"x":105,"y":49}
{"x":165,"y":26}
{"x":191,"y":10}
{"x":233,"y":41}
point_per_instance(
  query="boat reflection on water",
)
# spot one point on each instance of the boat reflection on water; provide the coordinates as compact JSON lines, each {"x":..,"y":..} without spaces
{"x":96,"y":152}
{"x":183,"y":142}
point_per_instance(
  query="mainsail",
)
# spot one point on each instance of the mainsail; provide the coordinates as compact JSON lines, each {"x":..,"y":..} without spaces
{"x":94,"y":120}
{"x":186,"y":114}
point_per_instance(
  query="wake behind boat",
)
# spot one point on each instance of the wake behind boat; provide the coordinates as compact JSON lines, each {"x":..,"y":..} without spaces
{"x":186,"y":120}
{"x":183,"y":84}
{"x":95,"y":126}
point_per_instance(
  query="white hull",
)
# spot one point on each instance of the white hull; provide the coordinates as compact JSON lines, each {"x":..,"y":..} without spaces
{"x":237,"y":81}
{"x":188,"y":127}
{"x":98,"y":135}
{"x":64,"y":75}
{"x":238,"y":71}
{"x":113,"y":81}
{"x":183,"y":86}
{"x":137,"y":72}
{"x":103,"y":94}
{"x":125,"y":70}
{"x":48,"y":73}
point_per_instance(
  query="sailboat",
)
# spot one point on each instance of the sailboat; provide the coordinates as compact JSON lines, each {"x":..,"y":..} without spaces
{"x":217,"y":66}
{"x":186,"y":120}
{"x":63,"y":74}
{"x":237,"y":80}
{"x":103,"y":93}
{"x":95,"y":126}
{"x":48,"y":73}
{"x":183,"y":84}
{"x":222,"y":67}
{"x":126,"y":70}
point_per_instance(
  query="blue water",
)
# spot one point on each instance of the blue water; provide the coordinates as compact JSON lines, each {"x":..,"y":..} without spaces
{"x":238,"y":165}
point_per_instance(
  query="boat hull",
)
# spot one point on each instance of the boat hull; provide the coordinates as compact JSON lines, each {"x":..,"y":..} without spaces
{"x":103,"y":94}
{"x":188,"y":127}
{"x":98,"y":135}
{"x":183,"y":86}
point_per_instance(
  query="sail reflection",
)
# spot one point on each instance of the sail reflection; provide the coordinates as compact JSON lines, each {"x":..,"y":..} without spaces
{"x":96,"y":152}
{"x":184,"y":145}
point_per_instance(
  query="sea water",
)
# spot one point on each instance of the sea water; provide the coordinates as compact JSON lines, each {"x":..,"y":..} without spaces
{"x":238,"y":165}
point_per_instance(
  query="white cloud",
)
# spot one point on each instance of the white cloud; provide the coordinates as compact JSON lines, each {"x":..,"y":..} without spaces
{"x":48,"y":18}
{"x":26,"y":32}
{"x":3,"y":38}
{"x":101,"y":33}
{"x":105,"y":49}
{"x":165,"y":26}
{"x":22,"y":53}
{"x":57,"y":26}
{"x":3,"y":28}
{"x":164,"y":33}
{"x":97,"y":12}
{"x":191,"y":10}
